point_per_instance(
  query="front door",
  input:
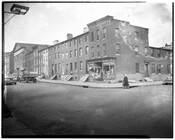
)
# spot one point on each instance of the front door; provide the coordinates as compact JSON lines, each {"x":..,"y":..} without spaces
{"x":146,"y":70}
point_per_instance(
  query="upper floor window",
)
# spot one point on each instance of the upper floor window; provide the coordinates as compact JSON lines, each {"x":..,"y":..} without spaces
{"x":80,"y":51}
{"x":66,"y":55}
{"x":75,"y":66}
{"x":98,"y":34}
{"x":81,"y":65}
{"x":80,"y":40}
{"x":92,"y":51}
{"x":75,"y":41}
{"x":136,"y":34}
{"x":117,"y":48}
{"x":98,"y":51}
{"x":58,"y":54}
{"x":158,"y":53}
{"x":71,"y":54}
{"x":86,"y":38}
{"x":92,"y":36}
{"x":62,"y":56}
{"x":55,"y":55}
{"x":104,"y":50}
{"x":116,"y":32}
{"x":136,"y":50}
{"x":86,"y":50}
{"x":75,"y":53}
{"x":146,"y":50}
{"x":104,"y":32}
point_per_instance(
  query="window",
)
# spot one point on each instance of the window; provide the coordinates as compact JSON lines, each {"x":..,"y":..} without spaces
{"x":86,"y":50}
{"x":98,"y":34}
{"x":117,"y":48}
{"x":86,"y":38}
{"x":158,"y":68}
{"x":92,"y":51}
{"x":98,"y":51}
{"x":104,"y":32}
{"x":92,"y":36}
{"x":104,"y":50}
{"x":55,"y":55}
{"x":75,"y":66}
{"x":58,"y":54}
{"x":62,"y":56}
{"x":59,"y":66}
{"x":116,"y":32}
{"x":136,"y":50}
{"x":55,"y":67}
{"x":153,"y":68}
{"x":146,"y":50}
{"x":168,"y":69}
{"x":136,"y":34}
{"x":80,"y":40}
{"x":66,"y":55}
{"x":80,"y":51}
{"x":81,"y":65}
{"x":137,"y":68}
{"x":71,"y":53}
{"x":152,"y":52}
{"x":158,"y":53}
{"x":71,"y":68}
{"x":75,"y":53}
{"x":75,"y":41}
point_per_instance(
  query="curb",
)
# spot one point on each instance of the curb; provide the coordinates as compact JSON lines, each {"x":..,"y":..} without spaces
{"x":108,"y":87}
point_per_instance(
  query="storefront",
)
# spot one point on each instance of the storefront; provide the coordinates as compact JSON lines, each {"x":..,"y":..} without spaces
{"x":101,"y":69}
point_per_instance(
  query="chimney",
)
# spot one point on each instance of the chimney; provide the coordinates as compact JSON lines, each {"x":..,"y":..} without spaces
{"x":55,"y":42}
{"x":85,"y":29}
{"x":69,"y":36}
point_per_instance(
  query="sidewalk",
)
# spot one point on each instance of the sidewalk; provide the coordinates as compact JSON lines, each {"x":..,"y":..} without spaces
{"x":11,"y":127}
{"x":99,"y":85}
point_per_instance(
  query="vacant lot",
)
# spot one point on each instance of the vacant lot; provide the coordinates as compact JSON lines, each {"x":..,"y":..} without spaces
{"x":53,"y":109}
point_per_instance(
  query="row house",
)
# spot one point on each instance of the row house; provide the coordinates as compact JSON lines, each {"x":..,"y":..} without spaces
{"x":9,"y":63}
{"x":69,"y":57}
{"x":43,"y":62}
{"x":108,"y":50}
{"x":26,"y":57}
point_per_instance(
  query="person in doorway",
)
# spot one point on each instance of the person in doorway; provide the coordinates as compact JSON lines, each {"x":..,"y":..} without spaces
{"x":125,"y":82}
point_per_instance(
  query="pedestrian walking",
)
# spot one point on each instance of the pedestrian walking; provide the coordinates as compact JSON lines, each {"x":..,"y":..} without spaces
{"x":125,"y":82}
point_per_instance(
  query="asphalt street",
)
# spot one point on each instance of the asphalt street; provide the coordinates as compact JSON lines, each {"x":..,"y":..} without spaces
{"x":53,"y":109}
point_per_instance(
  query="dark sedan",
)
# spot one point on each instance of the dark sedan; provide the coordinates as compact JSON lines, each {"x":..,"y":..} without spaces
{"x":10,"y":81}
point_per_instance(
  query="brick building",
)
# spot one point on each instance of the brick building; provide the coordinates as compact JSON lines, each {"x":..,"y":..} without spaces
{"x":43,"y":62}
{"x":26,"y":57}
{"x":9,"y":63}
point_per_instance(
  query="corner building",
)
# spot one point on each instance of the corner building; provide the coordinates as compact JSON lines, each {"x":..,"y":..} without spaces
{"x":108,"y":50}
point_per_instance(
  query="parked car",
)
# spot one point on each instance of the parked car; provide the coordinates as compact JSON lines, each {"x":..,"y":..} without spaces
{"x":10,"y":81}
{"x":168,"y":81}
{"x":28,"y":79}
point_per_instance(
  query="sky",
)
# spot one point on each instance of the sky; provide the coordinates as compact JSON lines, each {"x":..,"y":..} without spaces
{"x":46,"y":22}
